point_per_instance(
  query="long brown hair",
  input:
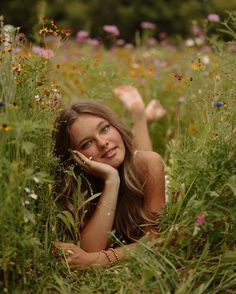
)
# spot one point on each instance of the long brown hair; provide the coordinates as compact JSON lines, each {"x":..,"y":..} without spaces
{"x":130,"y":213}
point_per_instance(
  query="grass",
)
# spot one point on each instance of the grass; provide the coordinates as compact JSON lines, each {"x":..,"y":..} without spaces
{"x":196,"y":249}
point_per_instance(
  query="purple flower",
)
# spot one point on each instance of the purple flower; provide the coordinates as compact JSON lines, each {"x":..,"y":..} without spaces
{"x":213,"y":17}
{"x":200,"y":219}
{"x":82,"y":36}
{"x":148,"y":25}
{"x":218,"y":104}
{"x":111,"y":29}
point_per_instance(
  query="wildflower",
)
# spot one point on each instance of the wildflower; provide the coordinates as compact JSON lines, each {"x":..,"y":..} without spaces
{"x":152,"y":41}
{"x":82,"y":36}
{"x":16,"y":68}
{"x":5,"y":128}
{"x":189,"y":42}
{"x":129,"y":46}
{"x":27,"y":190}
{"x":21,"y":38}
{"x":218,"y":104}
{"x":37,"y":98}
{"x":111,"y":29}
{"x":200,"y":219}
{"x":47,"y":53}
{"x":199,"y":41}
{"x":148,"y":25}
{"x":43,"y":31}
{"x":198,"y":66}
{"x":93,"y":42}
{"x":213,"y":17}
{"x":33,"y":195}
{"x":36,"y":180}
{"x":195,"y":29}
{"x":205,"y":59}
{"x":2,"y":104}
{"x":192,"y":128}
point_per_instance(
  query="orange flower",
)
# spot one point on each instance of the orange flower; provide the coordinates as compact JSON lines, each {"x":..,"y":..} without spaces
{"x":192,"y":128}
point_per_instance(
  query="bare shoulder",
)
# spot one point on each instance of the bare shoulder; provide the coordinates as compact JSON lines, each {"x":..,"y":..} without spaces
{"x":147,"y":161}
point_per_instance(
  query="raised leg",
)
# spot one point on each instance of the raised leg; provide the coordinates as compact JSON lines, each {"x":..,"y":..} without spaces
{"x":132,"y":100}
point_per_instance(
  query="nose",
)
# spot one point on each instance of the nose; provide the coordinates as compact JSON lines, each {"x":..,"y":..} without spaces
{"x":103,"y":144}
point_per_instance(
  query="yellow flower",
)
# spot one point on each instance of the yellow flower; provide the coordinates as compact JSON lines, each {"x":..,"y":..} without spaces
{"x":198,"y":66}
{"x":43,"y":31}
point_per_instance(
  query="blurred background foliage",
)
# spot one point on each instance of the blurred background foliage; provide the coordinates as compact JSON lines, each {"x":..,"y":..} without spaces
{"x":173,"y":17}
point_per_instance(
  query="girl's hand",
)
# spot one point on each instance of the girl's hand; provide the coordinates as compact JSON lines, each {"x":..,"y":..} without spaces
{"x":96,"y":168}
{"x":76,"y":257}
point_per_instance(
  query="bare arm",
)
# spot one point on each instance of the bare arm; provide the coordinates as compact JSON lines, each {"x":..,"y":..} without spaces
{"x":154,"y":187}
{"x":79,"y":259}
{"x":94,"y":237}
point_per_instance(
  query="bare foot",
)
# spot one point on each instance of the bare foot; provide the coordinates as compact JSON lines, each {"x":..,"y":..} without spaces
{"x":154,"y":111}
{"x":131,"y":98}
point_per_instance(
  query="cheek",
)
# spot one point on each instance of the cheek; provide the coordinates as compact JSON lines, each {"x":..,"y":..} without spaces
{"x":89,"y":152}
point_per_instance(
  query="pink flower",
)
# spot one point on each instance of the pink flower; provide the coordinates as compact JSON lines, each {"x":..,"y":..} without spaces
{"x":200,"y":219}
{"x":82,"y":36}
{"x":148,"y":25}
{"x":45,"y":53}
{"x":213,"y":17}
{"x":111,"y":29}
{"x":129,"y":46}
{"x":152,"y":41}
{"x":93,"y":42}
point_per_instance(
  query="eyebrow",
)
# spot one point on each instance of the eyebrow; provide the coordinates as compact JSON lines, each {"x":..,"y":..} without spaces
{"x":86,"y":138}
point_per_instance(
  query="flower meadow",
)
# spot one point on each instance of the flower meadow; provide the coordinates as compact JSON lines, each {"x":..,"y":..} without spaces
{"x":195,"y":81}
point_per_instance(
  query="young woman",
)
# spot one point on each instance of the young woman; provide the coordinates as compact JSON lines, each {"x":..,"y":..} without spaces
{"x":129,"y":176}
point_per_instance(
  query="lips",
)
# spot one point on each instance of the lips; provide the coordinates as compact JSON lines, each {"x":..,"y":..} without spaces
{"x":110,"y":153}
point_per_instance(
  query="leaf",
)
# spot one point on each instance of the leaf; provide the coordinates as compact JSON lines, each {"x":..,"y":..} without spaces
{"x":68,"y":219}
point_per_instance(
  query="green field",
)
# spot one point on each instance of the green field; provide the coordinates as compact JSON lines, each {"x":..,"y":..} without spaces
{"x":196,"y":250}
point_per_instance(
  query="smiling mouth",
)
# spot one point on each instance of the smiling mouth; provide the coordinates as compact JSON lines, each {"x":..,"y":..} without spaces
{"x":109,"y":153}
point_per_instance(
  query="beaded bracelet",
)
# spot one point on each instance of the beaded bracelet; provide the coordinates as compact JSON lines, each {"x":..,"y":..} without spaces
{"x":116,"y":256}
{"x":107,"y":255}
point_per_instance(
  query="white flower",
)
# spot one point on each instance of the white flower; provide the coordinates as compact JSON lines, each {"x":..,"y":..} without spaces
{"x":189,"y":43}
{"x":37,"y":98}
{"x":36,"y":180}
{"x":205,"y":59}
{"x":27,"y":190}
{"x":26,"y":220}
{"x":33,"y":195}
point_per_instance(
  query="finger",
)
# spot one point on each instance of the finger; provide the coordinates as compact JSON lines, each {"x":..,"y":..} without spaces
{"x":81,"y":160}
{"x":62,"y":245}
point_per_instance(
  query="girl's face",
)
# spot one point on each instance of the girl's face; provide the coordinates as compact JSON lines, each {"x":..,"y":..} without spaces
{"x":94,"y":136}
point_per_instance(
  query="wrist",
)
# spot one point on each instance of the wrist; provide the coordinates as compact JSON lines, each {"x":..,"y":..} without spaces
{"x":113,"y":179}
